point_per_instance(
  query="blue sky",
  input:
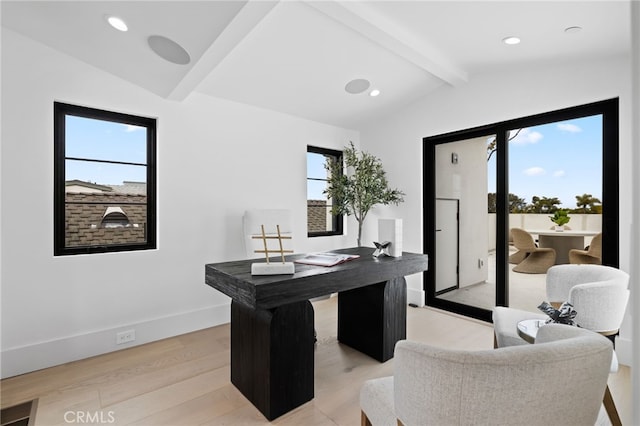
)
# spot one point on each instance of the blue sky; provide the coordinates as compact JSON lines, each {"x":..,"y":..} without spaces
{"x":315,"y":168}
{"x":104,"y":140}
{"x":561,"y":159}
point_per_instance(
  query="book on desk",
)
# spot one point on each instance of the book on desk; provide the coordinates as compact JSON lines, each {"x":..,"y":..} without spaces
{"x":326,"y":259}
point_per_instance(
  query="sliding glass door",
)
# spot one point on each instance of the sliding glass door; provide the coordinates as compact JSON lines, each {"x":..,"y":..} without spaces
{"x":555,"y":173}
{"x":480,"y":183}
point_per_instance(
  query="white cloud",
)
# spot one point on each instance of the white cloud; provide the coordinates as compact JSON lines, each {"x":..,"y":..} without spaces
{"x":535,"y":171}
{"x":131,"y":128}
{"x":559,"y":173}
{"x":569,"y":128}
{"x":526,"y":136}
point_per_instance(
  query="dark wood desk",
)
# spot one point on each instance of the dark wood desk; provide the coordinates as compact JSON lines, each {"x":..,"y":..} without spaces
{"x":272,"y":332}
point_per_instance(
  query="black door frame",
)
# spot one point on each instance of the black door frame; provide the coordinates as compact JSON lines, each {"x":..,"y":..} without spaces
{"x":609,"y":110}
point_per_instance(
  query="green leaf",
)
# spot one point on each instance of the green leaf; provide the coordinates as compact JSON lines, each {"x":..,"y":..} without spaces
{"x":361,"y":187}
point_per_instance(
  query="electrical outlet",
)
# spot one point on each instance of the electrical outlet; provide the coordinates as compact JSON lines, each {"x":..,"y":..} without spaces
{"x":125,"y":337}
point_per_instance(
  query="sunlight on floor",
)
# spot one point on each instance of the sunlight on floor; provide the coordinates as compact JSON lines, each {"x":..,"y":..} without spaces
{"x":526,"y":291}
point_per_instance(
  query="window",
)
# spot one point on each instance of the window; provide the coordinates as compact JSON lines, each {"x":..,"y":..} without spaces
{"x":320,"y":220}
{"x":104,"y":181}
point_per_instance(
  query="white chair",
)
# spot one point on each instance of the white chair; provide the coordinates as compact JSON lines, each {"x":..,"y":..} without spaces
{"x":528,"y":385}
{"x":599,"y":294}
{"x":252,"y":223}
{"x":271,"y":219}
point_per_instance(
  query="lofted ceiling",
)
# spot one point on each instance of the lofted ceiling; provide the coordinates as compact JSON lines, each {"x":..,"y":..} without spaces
{"x":297,"y":56}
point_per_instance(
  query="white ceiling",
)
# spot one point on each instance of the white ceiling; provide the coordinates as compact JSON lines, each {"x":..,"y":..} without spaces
{"x":297,"y":56}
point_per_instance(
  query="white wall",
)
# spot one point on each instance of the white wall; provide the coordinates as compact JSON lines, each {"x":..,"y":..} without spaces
{"x":467,"y":181}
{"x":491,"y":98}
{"x":215,"y":159}
{"x":632,"y":334}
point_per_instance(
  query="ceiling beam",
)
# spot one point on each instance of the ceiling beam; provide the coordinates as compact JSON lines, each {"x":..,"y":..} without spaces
{"x":382,"y":31}
{"x":242,"y":24}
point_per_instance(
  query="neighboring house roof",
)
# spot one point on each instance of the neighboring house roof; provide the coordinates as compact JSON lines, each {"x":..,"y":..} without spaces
{"x":85,"y":213}
{"x":316,"y":215}
{"x":76,"y":185}
{"x":127,"y":187}
{"x":130,"y":187}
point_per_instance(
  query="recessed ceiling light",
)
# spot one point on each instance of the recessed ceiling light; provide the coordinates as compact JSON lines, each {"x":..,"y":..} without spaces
{"x":357,"y":86}
{"x":572,"y":30}
{"x":374,"y":92}
{"x":117,"y":23}
{"x":511,"y":40}
{"x":168,"y":50}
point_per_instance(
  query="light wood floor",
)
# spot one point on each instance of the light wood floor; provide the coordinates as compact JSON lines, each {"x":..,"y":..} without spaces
{"x":185,"y":380}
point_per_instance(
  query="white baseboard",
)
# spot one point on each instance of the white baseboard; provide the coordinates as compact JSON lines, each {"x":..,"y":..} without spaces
{"x":415,"y":296}
{"x":624,"y":350}
{"x":29,"y":358}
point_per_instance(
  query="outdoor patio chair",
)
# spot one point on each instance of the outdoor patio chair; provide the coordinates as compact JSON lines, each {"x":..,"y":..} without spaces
{"x":530,"y":258}
{"x":591,"y":255}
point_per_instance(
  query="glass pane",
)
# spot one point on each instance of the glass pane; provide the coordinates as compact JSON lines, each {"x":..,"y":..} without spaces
{"x":105,"y":140}
{"x":315,"y":166}
{"x":315,"y":190}
{"x":319,"y":217}
{"x":554,"y":169}
{"x":97,"y":219}
{"x":120,"y":177}
{"x":465,"y":227}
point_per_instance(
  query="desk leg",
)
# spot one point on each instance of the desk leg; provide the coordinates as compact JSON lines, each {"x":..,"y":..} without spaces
{"x":372,"y":319}
{"x":272,"y":356}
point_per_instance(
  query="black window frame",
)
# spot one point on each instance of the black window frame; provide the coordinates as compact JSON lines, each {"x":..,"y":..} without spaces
{"x":609,"y":109}
{"x":60,"y":112}
{"x":338,"y":220}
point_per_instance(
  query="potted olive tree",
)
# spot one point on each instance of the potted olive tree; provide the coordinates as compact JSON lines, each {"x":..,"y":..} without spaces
{"x":362,"y":186}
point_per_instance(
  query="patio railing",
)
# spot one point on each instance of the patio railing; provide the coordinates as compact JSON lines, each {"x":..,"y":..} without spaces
{"x":582,"y":222}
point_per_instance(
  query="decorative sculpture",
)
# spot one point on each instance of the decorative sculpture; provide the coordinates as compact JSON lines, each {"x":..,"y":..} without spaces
{"x":269,"y":268}
{"x":564,"y":315}
{"x":381,"y":248}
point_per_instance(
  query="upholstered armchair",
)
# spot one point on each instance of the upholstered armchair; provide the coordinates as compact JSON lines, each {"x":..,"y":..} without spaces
{"x":529,"y":385}
{"x":599,"y":294}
